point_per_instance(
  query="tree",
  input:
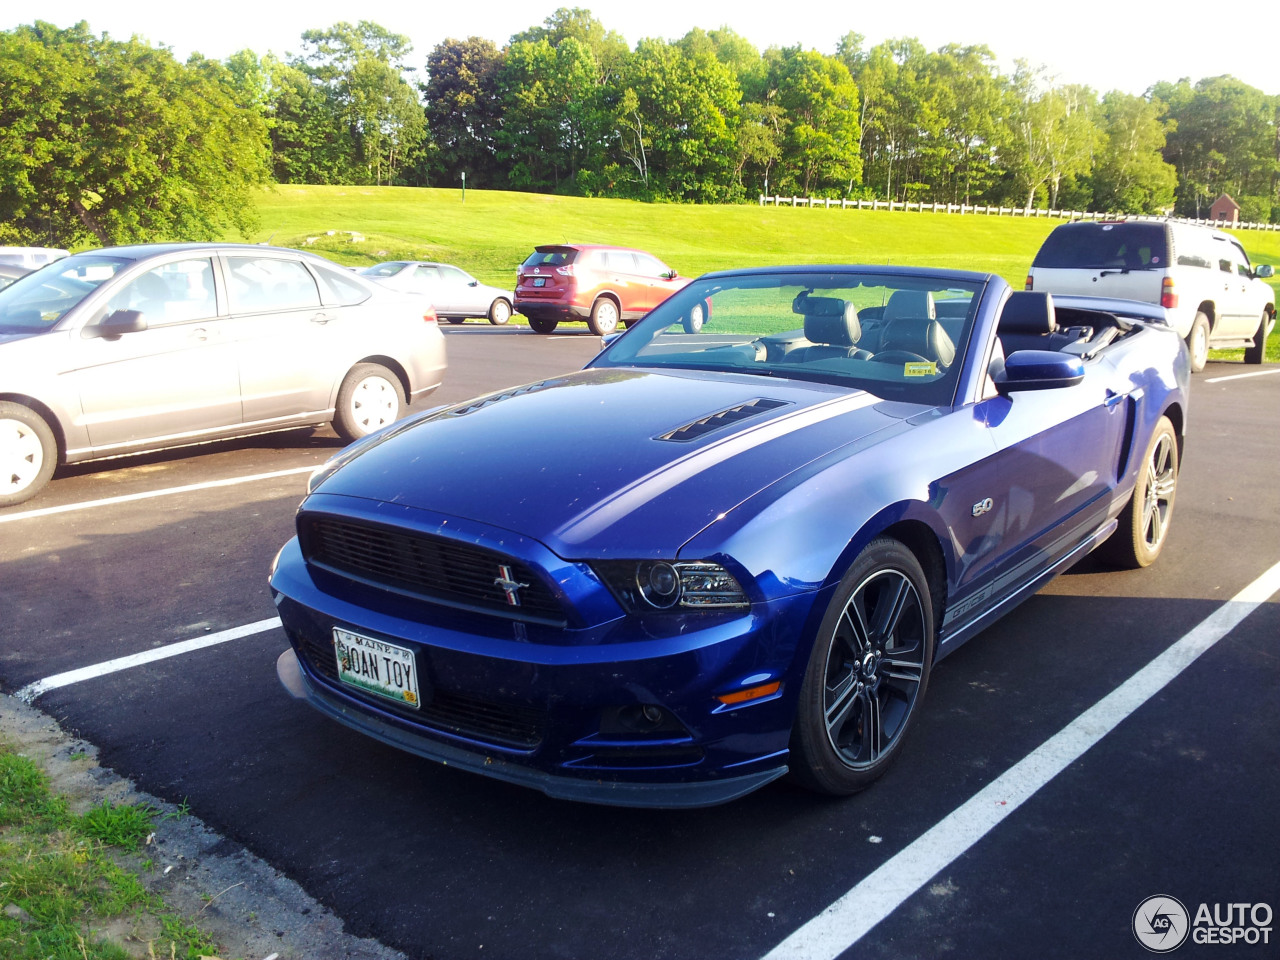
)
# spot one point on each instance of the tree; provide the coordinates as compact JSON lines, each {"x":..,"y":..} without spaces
{"x":676,"y":118}
{"x":608,"y":48}
{"x":1054,"y":133}
{"x":116,"y":142}
{"x":820,"y":146}
{"x":361,"y":70}
{"x":1131,"y":175}
{"x":463,"y":111}
{"x":551,"y":117}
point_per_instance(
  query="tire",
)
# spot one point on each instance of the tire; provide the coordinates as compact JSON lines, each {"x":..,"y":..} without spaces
{"x":538,"y":325}
{"x":693,"y":322}
{"x":1144,"y":522}
{"x":1258,"y":351}
{"x":1198,"y":342}
{"x":368,"y":400}
{"x":456,"y":319}
{"x":604,"y":317}
{"x":499,"y":312}
{"x":28,"y":453}
{"x":867,"y":673}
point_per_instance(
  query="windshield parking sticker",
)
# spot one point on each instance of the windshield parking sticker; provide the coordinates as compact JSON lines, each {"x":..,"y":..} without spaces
{"x":920,"y":369}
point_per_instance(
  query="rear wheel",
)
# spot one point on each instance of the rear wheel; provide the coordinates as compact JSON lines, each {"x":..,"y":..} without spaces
{"x":368,"y":400}
{"x":455,"y":319}
{"x":499,"y":312}
{"x":867,"y":673}
{"x":540,"y":325}
{"x":1198,"y":342}
{"x":28,"y":453}
{"x":1144,"y":524}
{"x":604,"y":317}
{"x":693,"y":322}
{"x":1257,"y":352}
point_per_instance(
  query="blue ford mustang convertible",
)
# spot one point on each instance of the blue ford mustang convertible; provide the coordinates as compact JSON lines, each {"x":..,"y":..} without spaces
{"x":736,"y":543}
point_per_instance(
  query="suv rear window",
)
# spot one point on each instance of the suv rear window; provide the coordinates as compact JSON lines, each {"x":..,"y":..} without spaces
{"x":551,"y":258}
{"x":1088,"y":246}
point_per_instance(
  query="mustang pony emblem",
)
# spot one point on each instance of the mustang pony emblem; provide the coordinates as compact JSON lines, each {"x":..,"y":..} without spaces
{"x":509,"y":586}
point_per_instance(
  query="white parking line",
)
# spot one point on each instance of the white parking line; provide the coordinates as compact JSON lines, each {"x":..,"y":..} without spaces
{"x":32,"y":690}
{"x":1242,"y":376}
{"x":168,"y":491}
{"x":847,"y":920}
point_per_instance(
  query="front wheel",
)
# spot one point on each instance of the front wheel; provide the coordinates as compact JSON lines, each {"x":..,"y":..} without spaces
{"x":604,"y":317}
{"x":28,"y":453}
{"x":1144,"y":523}
{"x":368,"y":400}
{"x":499,"y":312}
{"x":867,"y":673}
{"x":1198,"y":342}
{"x":1257,"y":352}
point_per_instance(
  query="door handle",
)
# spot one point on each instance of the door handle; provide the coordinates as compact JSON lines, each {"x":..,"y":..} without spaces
{"x":321,"y":318}
{"x":1113,"y":398}
{"x":200,"y":333}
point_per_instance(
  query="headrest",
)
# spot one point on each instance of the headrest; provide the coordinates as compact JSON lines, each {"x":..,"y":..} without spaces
{"x":910,"y":303}
{"x":1028,"y":311}
{"x":829,"y":320}
{"x":926,"y":338}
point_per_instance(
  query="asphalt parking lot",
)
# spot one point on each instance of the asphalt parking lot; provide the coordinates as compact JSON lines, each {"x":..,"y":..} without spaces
{"x":962,"y":850}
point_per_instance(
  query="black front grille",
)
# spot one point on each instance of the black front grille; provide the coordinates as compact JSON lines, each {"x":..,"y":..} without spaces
{"x":475,"y":718}
{"x":433,"y":568}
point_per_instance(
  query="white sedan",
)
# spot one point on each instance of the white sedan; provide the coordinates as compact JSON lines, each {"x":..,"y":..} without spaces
{"x":454,"y":293}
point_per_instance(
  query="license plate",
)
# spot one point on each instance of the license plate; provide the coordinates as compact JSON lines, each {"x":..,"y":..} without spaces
{"x":377,"y":667}
{"x":539,"y":281}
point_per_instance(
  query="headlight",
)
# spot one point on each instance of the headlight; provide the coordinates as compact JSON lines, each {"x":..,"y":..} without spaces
{"x":646,"y":585}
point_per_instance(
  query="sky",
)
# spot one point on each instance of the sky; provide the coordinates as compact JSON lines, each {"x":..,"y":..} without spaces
{"x":1106,"y":45}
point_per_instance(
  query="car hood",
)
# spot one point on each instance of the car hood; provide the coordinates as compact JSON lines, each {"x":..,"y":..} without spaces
{"x":611,"y":463}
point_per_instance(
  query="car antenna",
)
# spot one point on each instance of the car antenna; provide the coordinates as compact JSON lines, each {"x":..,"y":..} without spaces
{"x":267,"y":242}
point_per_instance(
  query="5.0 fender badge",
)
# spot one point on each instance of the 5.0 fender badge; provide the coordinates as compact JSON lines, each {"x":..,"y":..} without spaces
{"x":982,"y":506}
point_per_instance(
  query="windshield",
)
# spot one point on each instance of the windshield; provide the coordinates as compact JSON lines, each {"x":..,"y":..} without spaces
{"x":385,"y":269}
{"x":899,"y":337}
{"x":1105,"y":246}
{"x":36,"y":302}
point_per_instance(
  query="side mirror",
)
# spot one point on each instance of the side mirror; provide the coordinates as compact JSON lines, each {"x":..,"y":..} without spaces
{"x":117,"y":324}
{"x":1264,"y":271}
{"x":670,"y":275}
{"x":1039,"y":370}
{"x":474,"y":283}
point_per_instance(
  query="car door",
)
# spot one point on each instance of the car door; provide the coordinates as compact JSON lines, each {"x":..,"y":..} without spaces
{"x":176,"y":378}
{"x":658,"y":281}
{"x":1058,"y":456}
{"x":458,"y":291}
{"x":1236,"y":318}
{"x":283,"y":337}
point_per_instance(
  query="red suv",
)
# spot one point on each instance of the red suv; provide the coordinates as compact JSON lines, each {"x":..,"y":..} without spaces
{"x":598,"y":284}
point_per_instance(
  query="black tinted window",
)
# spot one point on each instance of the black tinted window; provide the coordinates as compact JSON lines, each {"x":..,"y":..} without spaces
{"x":550,"y":258}
{"x":1104,"y":245}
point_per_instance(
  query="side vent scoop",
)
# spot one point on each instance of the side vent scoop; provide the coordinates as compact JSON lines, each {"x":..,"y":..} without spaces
{"x":716,"y":421}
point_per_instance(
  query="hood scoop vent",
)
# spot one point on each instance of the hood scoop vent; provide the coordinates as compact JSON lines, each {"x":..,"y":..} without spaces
{"x":497,"y":397}
{"x":716,"y":421}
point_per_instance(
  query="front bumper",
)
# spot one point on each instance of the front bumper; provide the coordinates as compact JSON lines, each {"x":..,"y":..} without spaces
{"x":498,"y":702}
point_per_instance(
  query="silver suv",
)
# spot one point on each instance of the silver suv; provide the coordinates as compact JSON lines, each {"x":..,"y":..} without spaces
{"x":1214,"y":296}
{"x":130,"y":349}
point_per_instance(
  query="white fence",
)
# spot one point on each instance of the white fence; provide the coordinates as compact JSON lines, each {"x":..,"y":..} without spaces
{"x":987,"y":211}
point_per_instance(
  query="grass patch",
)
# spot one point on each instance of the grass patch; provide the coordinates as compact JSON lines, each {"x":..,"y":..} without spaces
{"x":495,"y":230}
{"x":67,"y":888}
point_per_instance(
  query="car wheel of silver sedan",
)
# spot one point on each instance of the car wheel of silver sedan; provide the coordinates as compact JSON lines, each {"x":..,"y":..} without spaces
{"x":1144,"y":523}
{"x":368,"y":400}
{"x":28,"y":453}
{"x":867,"y":673}
{"x":499,"y":312}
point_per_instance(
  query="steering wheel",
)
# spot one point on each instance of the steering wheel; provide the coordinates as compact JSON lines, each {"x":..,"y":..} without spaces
{"x":898,"y":356}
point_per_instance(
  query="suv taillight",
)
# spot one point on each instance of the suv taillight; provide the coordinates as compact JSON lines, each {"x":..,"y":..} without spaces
{"x":1030,"y":282}
{"x":1168,"y":298}
{"x":566,"y":270}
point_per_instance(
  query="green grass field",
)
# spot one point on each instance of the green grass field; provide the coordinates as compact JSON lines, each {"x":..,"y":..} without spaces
{"x":493,"y":231}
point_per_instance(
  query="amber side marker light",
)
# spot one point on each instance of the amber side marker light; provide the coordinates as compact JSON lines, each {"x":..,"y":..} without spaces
{"x":751,"y":693}
{"x":1031,"y":282}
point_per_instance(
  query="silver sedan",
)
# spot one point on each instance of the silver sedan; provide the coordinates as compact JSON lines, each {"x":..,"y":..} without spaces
{"x":454,"y":293}
{"x":130,"y":349}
